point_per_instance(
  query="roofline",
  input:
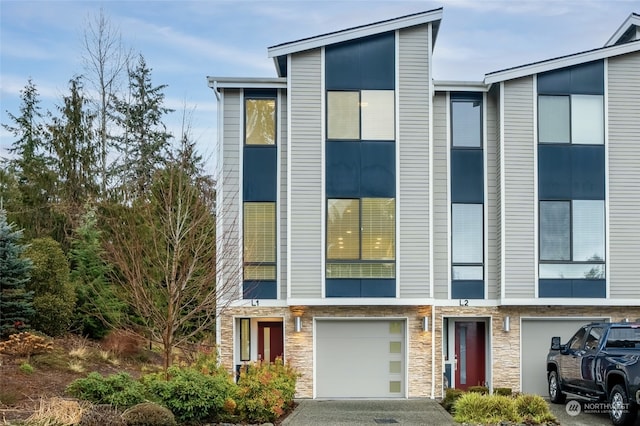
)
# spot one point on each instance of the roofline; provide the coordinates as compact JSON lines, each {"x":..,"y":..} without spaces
{"x":355,"y":32}
{"x":561,"y":62}
{"x":633,"y":19}
{"x":247,"y":83}
{"x":459,"y":86}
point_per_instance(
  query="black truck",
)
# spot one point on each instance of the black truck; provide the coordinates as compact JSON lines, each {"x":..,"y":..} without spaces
{"x":601,"y":362}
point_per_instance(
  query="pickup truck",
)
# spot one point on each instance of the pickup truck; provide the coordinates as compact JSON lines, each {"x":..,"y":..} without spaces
{"x":601,"y":362}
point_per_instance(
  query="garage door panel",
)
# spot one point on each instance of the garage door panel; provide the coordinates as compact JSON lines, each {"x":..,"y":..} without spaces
{"x":536,"y":340}
{"x":359,"y":359}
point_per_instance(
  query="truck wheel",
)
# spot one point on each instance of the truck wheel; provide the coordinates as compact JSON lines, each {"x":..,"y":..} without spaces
{"x":622,"y":410}
{"x":555,"y":394}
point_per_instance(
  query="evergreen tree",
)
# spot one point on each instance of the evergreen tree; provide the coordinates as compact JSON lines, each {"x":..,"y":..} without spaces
{"x":16,"y":307}
{"x":144,"y":142}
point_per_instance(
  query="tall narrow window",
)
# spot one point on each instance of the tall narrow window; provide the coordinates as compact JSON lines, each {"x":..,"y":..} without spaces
{"x":259,"y":241}
{"x":245,"y":339}
{"x":260,"y":121}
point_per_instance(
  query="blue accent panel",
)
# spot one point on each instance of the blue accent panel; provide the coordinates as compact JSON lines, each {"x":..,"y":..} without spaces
{"x":259,"y":290}
{"x":585,"y":79}
{"x":342,"y":288}
{"x":259,"y":173}
{"x":570,"y":172}
{"x":378,"y":173}
{"x":367,"y":63}
{"x":260,"y":93}
{"x":467,"y":289}
{"x":572,"y":288}
{"x":587,"y":166}
{"x":343,"y":169}
{"x":467,"y":176}
{"x":554,"y":172}
{"x":349,"y":287}
{"x":378,"y":288}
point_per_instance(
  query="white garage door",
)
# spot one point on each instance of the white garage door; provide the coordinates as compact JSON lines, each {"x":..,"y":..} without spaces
{"x":360,"y":358}
{"x":536,"y":340}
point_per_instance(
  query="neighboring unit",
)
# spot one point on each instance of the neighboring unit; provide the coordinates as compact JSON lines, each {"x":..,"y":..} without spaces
{"x":387,"y":234}
{"x":600,"y":362}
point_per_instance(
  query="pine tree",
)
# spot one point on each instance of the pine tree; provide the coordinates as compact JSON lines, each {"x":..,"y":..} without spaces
{"x":16,"y":304}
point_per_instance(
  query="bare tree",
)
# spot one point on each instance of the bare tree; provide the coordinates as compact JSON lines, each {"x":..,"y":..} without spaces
{"x":105,"y":60}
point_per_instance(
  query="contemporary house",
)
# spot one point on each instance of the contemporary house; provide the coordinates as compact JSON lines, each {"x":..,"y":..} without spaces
{"x":390,"y":235}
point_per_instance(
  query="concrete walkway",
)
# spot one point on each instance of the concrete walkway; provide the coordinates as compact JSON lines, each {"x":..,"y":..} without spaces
{"x":409,"y":412}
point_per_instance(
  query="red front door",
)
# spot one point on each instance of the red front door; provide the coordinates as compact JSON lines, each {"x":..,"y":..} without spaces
{"x":470,"y":354}
{"x":270,"y":342}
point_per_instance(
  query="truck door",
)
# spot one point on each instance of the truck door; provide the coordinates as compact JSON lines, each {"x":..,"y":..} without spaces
{"x":571,"y":362}
{"x":588,"y":363}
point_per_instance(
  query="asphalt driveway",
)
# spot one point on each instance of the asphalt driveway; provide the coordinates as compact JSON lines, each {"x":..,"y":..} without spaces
{"x":409,"y":412}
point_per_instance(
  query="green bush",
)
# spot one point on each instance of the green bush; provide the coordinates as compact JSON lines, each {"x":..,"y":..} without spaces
{"x":101,"y":415}
{"x":191,"y":394}
{"x":479,"y":389}
{"x":148,"y":414}
{"x":450,"y":397}
{"x":475,"y":408}
{"x":503,"y":391}
{"x":119,"y":390}
{"x":533,"y":409}
{"x":266,"y":391}
{"x":26,"y":368}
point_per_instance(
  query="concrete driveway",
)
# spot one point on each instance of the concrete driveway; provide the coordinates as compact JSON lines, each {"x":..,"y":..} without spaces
{"x":409,"y":412}
{"x":581,"y":418}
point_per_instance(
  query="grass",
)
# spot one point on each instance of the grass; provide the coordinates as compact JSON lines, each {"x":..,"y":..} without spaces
{"x":56,"y":411}
{"x":77,"y":366}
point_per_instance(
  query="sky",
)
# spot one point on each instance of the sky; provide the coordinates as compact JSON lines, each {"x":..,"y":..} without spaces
{"x":183,"y":42}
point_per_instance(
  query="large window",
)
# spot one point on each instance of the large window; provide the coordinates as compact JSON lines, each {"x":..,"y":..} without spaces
{"x":361,"y":115}
{"x":259,"y":241}
{"x":361,"y":238}
{"x":576,"y":119}
{"x":467,"y":241}
{"x":260,"y":121}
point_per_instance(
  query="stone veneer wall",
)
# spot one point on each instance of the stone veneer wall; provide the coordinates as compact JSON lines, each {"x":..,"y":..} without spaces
{"x":505,"y":346}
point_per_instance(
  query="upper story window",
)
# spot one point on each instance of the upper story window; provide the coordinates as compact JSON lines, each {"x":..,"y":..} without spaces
{"x":466,"y":122}
{"x":361,"y":115}
{"x":260,"y":120}
{"x":575,"y":119}
{"x":259,"y":241}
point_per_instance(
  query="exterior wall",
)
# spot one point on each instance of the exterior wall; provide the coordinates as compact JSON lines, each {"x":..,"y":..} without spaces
{"x":519,"y":194}
{"x":228,"y":252}
{"x":494,"y":99}
{"x":624,"y":176}
{"x":440,"y":197}
{"x":412,"y":173}
{"x":491,"y":149}
{"x":305,"y":168}
{"x":282,"y":197}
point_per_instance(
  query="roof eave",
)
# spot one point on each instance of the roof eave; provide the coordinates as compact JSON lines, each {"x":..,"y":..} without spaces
{"x":246,"y":83}
{"x":353,"y":33}
{"x":632,"y":20}
{"x":565,"y":61}
{"x":459,"y":86}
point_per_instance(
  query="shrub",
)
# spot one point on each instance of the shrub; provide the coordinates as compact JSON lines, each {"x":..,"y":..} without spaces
{"x":101,"y":415}
{"x":190,"y":394}
{"x":476,"y":408}
{"x":533,"y":409}
{"x":265,"y":391}
{"x":503,"y":391}
{"x":479,"y":389}
{"x":26,"y":368}
{"x":120,"y":390}
{"x":148,"y":414}
{"x":25,"y":344}
{"x":450,"y":397}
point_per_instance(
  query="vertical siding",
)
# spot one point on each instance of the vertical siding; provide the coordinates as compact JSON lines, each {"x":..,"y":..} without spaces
{"x":492,"y":207}
{"x":518,"y":193}
{"x":440,"y":199}
{"x":624,"y":175}
{"x":282,"y":200}
{"x":229,"y":254}
{"x":413,"y":172}
{"x":306,"y":171}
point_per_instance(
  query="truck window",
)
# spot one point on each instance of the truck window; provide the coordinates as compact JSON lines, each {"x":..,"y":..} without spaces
{"x":624,"y":337}
{"x":593,"y":339}
{"x":577,"y":341}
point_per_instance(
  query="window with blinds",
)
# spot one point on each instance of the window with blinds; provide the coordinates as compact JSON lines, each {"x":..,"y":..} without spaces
{"x":259,"y":240}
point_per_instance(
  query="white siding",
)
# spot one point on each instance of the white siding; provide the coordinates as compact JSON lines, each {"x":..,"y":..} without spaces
{"x":440,"y":199}
{"x":624,"y":176}
{"x":306,"y":174}
{"x":518,"y":194}
{"x":229,"y":253}
{"x":413,"y":172}
{"x":282,"y":258}
{"x":492,"y":207}
{"x":494,"y":96}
